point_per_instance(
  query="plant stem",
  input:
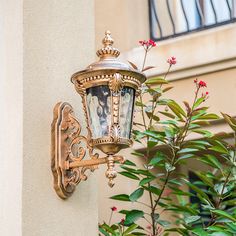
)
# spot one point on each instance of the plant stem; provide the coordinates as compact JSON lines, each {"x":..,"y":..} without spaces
{"x":110,"y":217}
{"x":144,"y":59}
{"x":141,"y":98}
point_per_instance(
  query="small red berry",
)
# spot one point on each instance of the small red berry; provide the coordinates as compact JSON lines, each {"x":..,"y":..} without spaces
{"x":114,"y":208}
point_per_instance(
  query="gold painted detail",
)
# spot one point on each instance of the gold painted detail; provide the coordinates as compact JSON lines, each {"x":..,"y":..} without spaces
{"x":115,"y":133}
{"x":69,"y":149}
{"x":116,"y":83}
{"x":108,"y":49}
{"x":105,"y":79}
{"x":111,"y":172}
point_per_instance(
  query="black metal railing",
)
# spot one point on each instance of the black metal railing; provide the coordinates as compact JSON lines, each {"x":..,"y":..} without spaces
{"x":172,"y":18}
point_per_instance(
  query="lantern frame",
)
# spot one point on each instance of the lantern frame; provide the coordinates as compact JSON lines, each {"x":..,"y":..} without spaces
{"x":68,"y":154}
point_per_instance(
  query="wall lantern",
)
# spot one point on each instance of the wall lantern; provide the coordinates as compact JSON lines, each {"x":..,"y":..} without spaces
{"x":108,"y":89}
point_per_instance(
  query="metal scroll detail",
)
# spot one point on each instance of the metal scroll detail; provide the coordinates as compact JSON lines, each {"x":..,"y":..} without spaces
{"x":68,"y":146}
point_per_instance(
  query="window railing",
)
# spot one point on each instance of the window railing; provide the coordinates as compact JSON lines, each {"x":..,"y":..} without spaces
{"x":172,"y":18}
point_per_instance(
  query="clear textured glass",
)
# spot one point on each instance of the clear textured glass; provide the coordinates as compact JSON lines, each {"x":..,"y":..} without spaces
{"x":126,"y":111}
{"x":98,"y":103}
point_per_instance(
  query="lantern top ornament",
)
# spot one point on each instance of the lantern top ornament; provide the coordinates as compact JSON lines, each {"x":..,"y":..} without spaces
{"x":108,"y":50}
{"x":108,"y":63}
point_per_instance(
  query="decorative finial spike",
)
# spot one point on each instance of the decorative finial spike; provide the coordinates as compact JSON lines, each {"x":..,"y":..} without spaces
{"x":108,"y":40}
{"x":111,"y":183}
{"x":108,"y":50}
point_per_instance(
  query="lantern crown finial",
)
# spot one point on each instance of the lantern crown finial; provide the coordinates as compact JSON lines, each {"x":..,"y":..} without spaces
{"x":108,"y":40}
{"x":108,"y":50}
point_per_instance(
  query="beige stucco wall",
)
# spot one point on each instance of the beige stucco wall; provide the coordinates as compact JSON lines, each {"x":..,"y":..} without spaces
{"x":42,"y":44}
{"x":57,"y":42}
{"x":11,"y":84}
{"x":126,"y":19}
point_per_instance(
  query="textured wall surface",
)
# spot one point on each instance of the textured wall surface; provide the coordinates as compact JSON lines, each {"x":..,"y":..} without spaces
{"x":58,"y":40}
{"x":11,"y":61}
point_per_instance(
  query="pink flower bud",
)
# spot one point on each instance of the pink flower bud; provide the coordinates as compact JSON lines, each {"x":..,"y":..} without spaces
{"x":172,"y":60}
{"x":114,"y":208}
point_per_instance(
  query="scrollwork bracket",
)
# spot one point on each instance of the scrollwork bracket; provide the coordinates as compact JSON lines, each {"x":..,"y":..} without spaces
{"x":69,"y":149}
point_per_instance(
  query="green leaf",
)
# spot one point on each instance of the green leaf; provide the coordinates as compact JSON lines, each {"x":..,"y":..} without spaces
{"x":108,"y":229}
{"x":176,"y":108}
{"x":209,"y":117}
{"x":101,"y":230}
{"x":152,"y":134}
{"x":146,"y":180}
{"x":130,"y":229}
{"x":153,"y":190}
{"x":200,"y":232}
{"x":230,"y":120}
{"x":191,"y":219}
{"x":205,"y":179}
{"x":205,"y":133}
{"x":145,"y":172}
{"x":136,"y":194}
{"x":167,"y":89}
{"x":121,"y":197}
{"x":156,"y":81}
{"x":159,"y":156}
{"x":211,"y":160}
{"x":129,"y":163}
{"x":198,"y":190}
{"x":187,"y":150}
{"x":198,"y":102}
{"x":163,"y":223}
{"x":129,"y":175}
{"x":232,"y":226}
{"x":219,"y":147}
{"x":224,"y":214}
{"x":133,"y":216}
{"x":167,"y":114}
{"x":187,"y":156}
{"x":139,"y":104}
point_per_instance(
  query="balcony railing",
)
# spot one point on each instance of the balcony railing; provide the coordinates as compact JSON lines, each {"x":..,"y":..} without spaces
{"x":172,"y":18}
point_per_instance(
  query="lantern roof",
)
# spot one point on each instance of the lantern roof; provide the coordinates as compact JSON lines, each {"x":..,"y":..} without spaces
{"x":108,"y":63}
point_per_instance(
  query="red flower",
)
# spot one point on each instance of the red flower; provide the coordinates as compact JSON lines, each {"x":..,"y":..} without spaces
{"x":172,"y":60}
{"x":143,"y":42}
{"x":147,"y":44}
{"x":113,"y":208}
{"x":122,"y":221}
{"x":152,"y":43}
{"x":205,"y":94}
{"x":202,"y":84}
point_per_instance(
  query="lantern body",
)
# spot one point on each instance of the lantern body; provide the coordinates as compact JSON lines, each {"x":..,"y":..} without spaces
{"x":108,"y":89}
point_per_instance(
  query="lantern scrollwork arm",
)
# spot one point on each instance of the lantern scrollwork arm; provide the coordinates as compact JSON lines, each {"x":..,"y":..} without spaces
{"x":69,"y":149}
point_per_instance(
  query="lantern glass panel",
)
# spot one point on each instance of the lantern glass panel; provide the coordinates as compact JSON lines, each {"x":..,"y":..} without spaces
{"x":126,"y":111}
{"x":99,"y":109}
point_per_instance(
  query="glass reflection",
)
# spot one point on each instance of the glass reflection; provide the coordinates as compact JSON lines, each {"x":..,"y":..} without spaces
{"x":126,"y":111}
{"x":98,"y":103}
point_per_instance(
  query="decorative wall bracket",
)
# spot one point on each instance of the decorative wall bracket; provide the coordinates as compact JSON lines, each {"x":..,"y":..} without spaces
{"x":69,"y":147}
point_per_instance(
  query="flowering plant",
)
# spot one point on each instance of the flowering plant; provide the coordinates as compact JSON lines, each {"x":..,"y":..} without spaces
{"x":203,"y":205}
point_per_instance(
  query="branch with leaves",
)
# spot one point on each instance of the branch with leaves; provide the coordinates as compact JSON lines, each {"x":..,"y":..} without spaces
{"x":164,"y":133}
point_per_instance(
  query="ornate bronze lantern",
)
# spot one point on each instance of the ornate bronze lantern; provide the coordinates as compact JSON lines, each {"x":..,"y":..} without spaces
{"x":108,"y":89}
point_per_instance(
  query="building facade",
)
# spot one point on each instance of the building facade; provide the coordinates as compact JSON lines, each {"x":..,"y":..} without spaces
{"x":42,"y":44}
